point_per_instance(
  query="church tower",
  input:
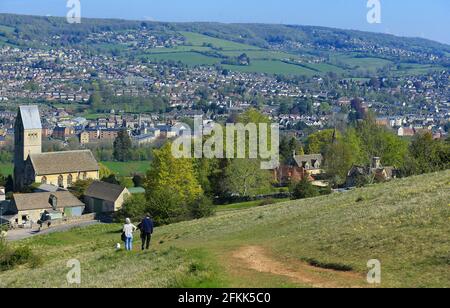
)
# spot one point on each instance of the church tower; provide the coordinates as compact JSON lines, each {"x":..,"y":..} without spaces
{"x":27,"y":140}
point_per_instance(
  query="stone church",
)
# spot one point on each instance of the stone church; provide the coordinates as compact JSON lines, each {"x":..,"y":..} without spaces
{"x":60,"y":169}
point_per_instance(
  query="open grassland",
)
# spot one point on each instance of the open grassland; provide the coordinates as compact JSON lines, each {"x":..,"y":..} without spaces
{"x":128,"y":168}
{"x":320,"y":242}
{"x":197,"y":39}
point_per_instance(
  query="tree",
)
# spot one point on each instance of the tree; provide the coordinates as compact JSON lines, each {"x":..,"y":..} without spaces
{"x":134,"y":208}
{"x":79,"y":188}
{"x":428,"y":155}
{"x":377,"y":141}
{"x":104,"y":171}
{"x":304,"y":189}
{"x":122,"y":146}
{"x":96,"y":101}
{"x":319,"y":141}
{"x":338,"y":161}
{"x":167,"y":173}
{"x":287,"y":149}
{"x":245,"y":178}
{"x":138,"y":180}
{"x":201,"y":207}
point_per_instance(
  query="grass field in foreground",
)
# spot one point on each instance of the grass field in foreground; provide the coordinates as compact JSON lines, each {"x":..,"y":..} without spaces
{"x":127,"y":168}
{"x":404,"y":224}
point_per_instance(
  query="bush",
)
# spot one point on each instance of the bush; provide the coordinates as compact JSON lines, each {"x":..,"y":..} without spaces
{"x":304,"y":189}
{"x":267,"y":202}
{"x":134,"y":208}
{"x":10,"y":258}
{"x":202,"y":207}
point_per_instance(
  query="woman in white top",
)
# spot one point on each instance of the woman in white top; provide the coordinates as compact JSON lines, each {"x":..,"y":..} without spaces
{"x":128,"y":229}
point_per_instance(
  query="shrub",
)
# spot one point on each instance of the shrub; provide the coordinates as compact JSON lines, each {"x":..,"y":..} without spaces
{"x":10,"y":258}
{"x":304,"y":189}
{"x":202,"y":207}
{"x":267,"y":202}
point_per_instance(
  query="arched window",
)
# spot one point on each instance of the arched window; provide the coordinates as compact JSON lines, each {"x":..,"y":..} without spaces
{"x":61,"y":181}
{"x":44,"y":180}
{"x":69,"y":180}
{"x":84,"y":175}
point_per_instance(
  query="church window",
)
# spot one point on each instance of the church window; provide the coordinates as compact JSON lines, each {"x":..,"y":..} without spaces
{"x":44,"y":180}
{"x":61,"y":181}
{"x":84,"y":175}
{"x":69,"y":180}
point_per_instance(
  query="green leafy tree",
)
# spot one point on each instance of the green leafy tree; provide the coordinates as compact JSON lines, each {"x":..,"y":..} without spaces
{"x":428,"y":155}
{"x":176,"y":176}
{"x":377,"y":141}
{"x":318,"y":142}
{"x":122,"y":146}
{"x":104,"y":171}
{"x":245,"y":178}
{"x":79,"y":188}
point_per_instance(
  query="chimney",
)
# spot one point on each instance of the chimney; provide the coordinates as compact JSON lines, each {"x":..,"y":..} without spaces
{"x":376,"y":163}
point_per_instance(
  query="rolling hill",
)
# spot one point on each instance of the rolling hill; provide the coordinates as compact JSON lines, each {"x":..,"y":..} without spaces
{"x":321,"y":242}
{"x":272,"y":49}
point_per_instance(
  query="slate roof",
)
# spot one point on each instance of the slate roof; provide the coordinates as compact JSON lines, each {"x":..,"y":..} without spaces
{"x":300,"y":159}
{"x":104,"y":191}
{"x":30,"y":117}
{"x":41,"y":201}
{"x":64,"y":162}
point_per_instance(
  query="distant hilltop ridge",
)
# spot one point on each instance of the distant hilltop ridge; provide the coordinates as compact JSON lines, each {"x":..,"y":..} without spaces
{"x":261,"y":35}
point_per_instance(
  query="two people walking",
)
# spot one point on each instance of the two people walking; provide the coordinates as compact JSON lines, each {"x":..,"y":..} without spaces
{"x":146,"y":228}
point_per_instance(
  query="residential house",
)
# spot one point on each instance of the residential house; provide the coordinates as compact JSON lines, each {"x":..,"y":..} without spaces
{"x":101,"y":197}
{"x":311,"y":163}
{"x":31,"y":207}
{"x":375,"y":172}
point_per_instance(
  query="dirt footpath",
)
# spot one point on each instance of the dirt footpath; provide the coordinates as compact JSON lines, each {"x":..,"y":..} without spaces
{"x":258,"y":259}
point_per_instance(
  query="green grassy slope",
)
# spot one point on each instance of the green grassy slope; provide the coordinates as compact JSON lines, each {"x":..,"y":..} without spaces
{"x":404,"y":224}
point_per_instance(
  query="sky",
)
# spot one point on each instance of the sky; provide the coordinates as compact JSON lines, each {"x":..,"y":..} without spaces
{"x":415,"y":18}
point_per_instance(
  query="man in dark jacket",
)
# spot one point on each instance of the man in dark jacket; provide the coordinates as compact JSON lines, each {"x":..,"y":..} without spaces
{"x":146,"y":227}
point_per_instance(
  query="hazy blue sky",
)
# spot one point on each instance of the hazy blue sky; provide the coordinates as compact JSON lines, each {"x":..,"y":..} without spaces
{"x":419,"y":18}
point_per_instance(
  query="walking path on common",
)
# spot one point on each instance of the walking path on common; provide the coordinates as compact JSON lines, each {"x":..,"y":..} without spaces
{"x":21,"y":234}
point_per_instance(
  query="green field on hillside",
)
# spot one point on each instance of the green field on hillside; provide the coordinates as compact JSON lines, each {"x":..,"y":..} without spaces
{"x":127,"y":168}
{"x":321,"y":242}
{"x":205,"y":50}
{"x":197,"y":39}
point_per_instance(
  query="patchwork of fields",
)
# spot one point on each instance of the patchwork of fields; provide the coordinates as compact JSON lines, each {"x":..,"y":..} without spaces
{"x":205,"y":50}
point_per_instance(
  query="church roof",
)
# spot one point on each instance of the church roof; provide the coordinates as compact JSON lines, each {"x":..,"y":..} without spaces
{"x":104,"y":191}
{"x":30,"y":117}
{"x":64,"y":162}
{"x":41,"y":201}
